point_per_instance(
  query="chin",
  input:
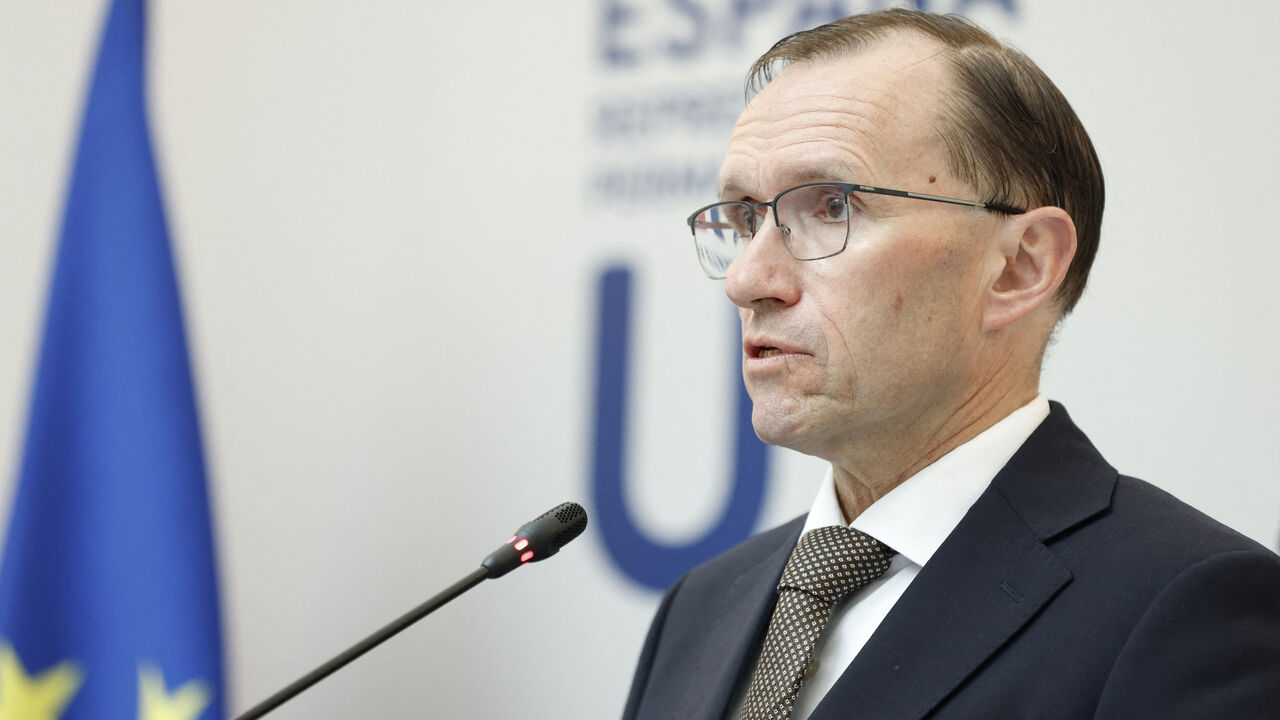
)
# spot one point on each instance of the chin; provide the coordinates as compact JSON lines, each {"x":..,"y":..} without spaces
{"x":808,"y":425}
{"x":777,"y":426}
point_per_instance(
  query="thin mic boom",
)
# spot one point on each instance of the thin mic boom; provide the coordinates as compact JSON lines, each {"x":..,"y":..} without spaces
{"x":536,"y":540}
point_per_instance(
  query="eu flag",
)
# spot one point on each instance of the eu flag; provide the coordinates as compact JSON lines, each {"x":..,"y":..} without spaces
{"x":108,"y":599}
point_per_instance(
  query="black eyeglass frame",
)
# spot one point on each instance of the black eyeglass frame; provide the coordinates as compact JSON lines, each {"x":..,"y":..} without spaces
{"x":848,"y":189}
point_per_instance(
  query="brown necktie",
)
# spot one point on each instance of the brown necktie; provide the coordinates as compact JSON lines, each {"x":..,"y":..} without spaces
{"x":827,"y":564}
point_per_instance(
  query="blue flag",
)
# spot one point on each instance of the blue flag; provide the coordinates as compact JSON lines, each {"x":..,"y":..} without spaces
{"x":108,"y":599}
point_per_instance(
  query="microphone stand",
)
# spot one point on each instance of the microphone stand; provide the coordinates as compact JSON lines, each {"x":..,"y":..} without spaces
{"x":534,"y":541}
{"x":377,"y":638}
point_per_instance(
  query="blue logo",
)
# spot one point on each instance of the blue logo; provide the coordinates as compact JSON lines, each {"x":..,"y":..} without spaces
{"x":646,"y":561}
{"x":633,"y":33}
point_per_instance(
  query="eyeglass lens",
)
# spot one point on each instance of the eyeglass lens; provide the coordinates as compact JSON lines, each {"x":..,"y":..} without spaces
{"x":814,"y":223}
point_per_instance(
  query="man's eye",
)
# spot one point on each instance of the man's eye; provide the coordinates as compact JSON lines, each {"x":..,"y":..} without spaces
{"x":835,"y":208}
{"x":740,"y":219}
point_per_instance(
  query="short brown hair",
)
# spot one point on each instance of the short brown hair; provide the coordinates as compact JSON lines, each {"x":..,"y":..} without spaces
{"x":1009,"y":131}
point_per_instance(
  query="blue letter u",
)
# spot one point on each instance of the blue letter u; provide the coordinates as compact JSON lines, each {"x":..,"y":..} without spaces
{"x":650,"y":563}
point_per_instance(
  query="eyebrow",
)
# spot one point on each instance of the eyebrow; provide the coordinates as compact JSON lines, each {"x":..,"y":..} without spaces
{"x":825,"y":172}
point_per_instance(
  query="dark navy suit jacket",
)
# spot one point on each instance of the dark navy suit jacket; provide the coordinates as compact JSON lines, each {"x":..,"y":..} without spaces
{"x":1067,"y":591}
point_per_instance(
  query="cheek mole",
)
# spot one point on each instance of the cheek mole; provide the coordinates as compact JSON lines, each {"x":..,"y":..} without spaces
{"x":897,"y":303}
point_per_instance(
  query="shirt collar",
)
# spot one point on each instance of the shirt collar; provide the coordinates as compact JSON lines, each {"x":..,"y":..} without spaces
{"x":917,"y":516}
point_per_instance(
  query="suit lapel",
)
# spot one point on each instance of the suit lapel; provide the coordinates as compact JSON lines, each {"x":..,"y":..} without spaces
{"x":741,"y":614}
{"x":990,"y":577}
{"x":979,"y":589}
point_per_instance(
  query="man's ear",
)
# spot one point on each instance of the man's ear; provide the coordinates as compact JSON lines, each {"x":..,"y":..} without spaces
{"x":1037,"y":247}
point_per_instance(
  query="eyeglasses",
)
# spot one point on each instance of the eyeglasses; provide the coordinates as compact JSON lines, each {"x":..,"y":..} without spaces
{"x":814,"y":219}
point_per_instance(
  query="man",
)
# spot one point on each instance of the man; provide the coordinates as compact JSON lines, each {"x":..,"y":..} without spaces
{"x":908,"y":208}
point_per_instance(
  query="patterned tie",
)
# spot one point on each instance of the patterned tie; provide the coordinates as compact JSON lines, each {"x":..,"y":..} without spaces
{"x":827,"y":564}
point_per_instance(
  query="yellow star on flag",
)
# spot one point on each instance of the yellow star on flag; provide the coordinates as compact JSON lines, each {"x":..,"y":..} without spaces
{"x":23,"y":697}
{"x":156,"y":703}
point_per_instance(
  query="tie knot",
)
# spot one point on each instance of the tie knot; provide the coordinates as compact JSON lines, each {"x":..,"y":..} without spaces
{"x":831,"y":562}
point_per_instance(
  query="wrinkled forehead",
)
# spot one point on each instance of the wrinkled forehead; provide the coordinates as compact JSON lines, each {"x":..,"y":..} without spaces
{"x":868,"y":116}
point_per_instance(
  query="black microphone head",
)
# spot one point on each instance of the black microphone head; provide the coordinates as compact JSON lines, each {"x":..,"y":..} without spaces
{"x":538,"y":539}
{"x":556,"y":528}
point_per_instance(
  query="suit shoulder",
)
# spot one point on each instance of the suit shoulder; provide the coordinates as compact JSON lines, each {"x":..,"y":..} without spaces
{"x":1148,"y":537}
{"x":1166,"y":519}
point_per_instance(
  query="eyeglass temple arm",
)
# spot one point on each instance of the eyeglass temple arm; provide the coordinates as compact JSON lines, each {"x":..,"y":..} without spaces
{"x":998,"y":207}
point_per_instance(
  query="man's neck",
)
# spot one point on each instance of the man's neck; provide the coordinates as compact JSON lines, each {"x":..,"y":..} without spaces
{"x":875,"y":467}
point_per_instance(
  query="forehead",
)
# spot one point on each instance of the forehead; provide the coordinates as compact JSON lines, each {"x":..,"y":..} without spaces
{"x":869,"y":116}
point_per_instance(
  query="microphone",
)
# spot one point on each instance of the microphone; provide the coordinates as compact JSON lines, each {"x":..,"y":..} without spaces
{"x":536,"y":540}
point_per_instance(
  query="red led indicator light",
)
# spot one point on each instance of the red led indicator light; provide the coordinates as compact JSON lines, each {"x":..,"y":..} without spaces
{"x":524,"y":543}
{"x":510,"y":540}
{"x":528,"y":555}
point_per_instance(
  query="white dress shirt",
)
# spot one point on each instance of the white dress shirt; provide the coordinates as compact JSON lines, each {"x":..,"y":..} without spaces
{"x":914,"y":518}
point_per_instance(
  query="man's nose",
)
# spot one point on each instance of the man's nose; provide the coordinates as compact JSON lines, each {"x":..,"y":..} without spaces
{"x":765,"y":273}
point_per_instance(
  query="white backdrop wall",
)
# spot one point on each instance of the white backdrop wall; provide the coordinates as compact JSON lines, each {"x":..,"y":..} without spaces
{"x":391,"y":220}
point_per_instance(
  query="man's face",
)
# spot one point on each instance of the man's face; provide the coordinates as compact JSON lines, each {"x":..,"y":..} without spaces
{"x":876,"y":342}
